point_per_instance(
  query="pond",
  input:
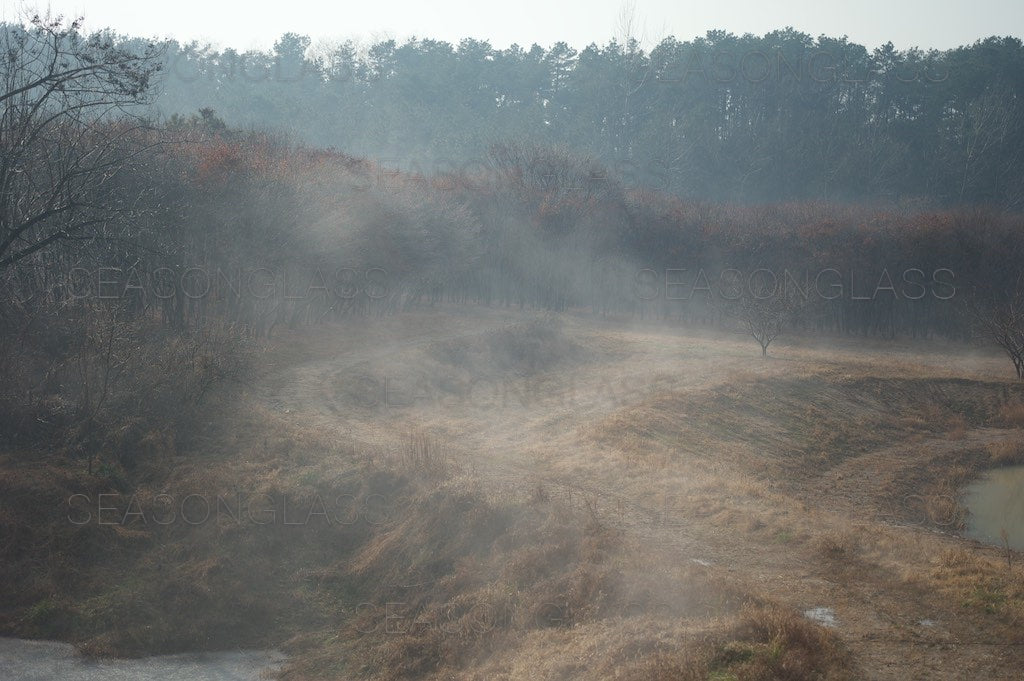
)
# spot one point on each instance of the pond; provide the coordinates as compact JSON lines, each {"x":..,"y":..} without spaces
{"x":996,"y":502}
{"x":22,"y":660}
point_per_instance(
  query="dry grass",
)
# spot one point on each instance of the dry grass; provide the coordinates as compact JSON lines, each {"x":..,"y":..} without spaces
{"x":837,"y":546}
{"x":841,"y":447}
{"x":786,"y":477}
{"x":1010,"y":415}
{"x":194,"y":554}
{"x":1008,"y":452}
{"x":424,"y":455}
{"x":980,"y":585}
{"x":760,"y":644}
{"x":492,"y":581}
{"x":463,"y":576}
{"x":957,"y":426}
{"x":802,"y":423}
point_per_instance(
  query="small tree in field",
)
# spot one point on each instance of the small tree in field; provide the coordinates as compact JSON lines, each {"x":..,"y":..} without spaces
{"x":1000,"y":318}
{"x":764,"y":320}
{"x":764,"y":306}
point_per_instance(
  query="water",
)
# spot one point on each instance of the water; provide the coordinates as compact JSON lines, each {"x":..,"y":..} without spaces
{"x":996,"y":501}
{"x":51,"y":661}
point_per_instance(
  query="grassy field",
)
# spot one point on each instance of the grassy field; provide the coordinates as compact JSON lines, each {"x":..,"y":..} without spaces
{"x":481,"y":493}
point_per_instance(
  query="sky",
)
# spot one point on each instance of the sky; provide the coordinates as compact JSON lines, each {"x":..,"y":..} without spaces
{"x":256,"y":24}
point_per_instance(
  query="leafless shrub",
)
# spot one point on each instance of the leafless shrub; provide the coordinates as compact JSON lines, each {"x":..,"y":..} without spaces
{"x":999,"y":316}
{"x":100,"y":382}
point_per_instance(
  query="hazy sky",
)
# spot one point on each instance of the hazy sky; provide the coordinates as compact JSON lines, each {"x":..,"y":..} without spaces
{"x":939,"y":23}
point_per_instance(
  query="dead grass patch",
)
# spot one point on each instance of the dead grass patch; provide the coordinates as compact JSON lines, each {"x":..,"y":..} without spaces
{"x":1009,"y":452}
{"x":983,"y":586}
{"x":764,"y":643}
{"x":837,"y":546}
{"x":1010,"y":415}
{"x":801,"y":424}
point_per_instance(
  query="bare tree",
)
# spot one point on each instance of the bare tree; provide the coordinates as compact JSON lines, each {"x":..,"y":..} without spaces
{"x":67,"y":130}
{"x":985,"y":135}
{"x":764,"y":306}
{"x":1000,"y":318}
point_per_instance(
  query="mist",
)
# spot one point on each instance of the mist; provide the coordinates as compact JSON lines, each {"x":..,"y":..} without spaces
{"x":414,"y":359}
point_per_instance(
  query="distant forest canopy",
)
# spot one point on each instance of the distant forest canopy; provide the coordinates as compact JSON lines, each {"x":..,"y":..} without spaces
{"x":778,"y":117}
{"x":784,"y":116}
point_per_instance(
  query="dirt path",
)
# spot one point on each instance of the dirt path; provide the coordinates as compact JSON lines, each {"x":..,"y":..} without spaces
{"x":535,"y":433}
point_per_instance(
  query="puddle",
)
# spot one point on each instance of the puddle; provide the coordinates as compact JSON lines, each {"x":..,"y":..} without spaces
{"x":22,"y":660}
{"x":825,"y":616}
{"x":996,"y":501}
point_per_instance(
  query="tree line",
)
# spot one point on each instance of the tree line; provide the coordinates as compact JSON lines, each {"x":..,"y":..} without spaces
{"x":783,"y":116}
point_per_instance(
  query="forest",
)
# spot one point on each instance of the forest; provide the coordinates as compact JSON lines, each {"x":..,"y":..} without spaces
{"x":779,"y":117}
